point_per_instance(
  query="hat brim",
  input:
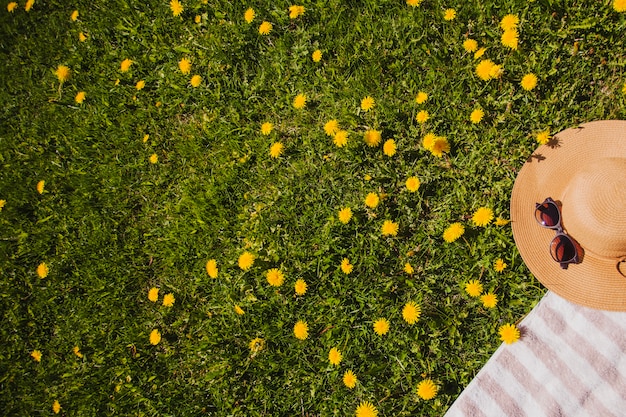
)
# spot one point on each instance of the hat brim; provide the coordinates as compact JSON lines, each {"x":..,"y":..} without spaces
{"x":594,"y":282}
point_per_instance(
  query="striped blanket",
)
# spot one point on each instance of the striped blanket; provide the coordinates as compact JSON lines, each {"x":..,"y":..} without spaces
{"x":570,"y":361}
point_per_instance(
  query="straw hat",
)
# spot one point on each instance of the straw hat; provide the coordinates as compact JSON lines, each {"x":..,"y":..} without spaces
{"x":584,"y":170}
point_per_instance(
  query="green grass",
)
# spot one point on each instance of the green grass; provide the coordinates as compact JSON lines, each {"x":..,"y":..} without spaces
{"x":110,"y":225}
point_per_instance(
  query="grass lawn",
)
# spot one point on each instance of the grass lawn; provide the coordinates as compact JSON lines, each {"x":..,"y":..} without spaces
{"x":197,"y":218}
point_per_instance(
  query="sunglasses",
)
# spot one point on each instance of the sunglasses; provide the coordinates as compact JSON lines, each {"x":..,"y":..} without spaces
{"x":563,"y":248}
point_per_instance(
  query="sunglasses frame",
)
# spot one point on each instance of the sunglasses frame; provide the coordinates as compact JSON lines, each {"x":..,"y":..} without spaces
{"x":560,"y":233}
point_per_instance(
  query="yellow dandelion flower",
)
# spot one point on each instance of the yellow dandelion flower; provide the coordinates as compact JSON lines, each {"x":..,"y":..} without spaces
{"x":482,"y":216}
{"x":265,"y":28}
{"x":470,"y":45}
{"x":366,"y":409}
{"x":489,"y":300}
{"x":334,"y":356}
{"x":176,"y":7}
{"x":509,"y":333}
{"x":246,"y":260}
{"x":238,"y":310}
{"x":341,"y":138}
{"x":412,"y":184}
{"x":619,"y":5}
{"x":499,"y":265}
{"x":331,"y":127}
{"x":346,"y":266}
{"x":453,"y":232}
{"x":184,"y":65}
{"x":543,"y":137}
{"x":372,"y":200}
{"x":42,"y":270}
{"x":56,"y":407}
{"x":624,"y":89}
{"x":153,"y":294}
{"x":275,"y":277}
{"x":195,"y":81}
{"x":63,"y":73}
{"x":82,"y":37}
{"x":474,"y":288}
{"x":256,"y":345}
{"x":154,"y":158}
{"x":155,"y":337}
{"x":501,"y":222}
{"x":381,"y":326}
{"x":367,"y":103}
{"x":125,"y":65}
{"x":211,"y":268}
{"x":529,"y":81}
{"x":349,"y":379}
{"x":449,"y":14}
{"x":145,"y":138}
{"x":300,"y":287}
{"x":413,"y":3}
{"x":411,"y":312}
{"x":197,"y":19}
{"x":80,"y":97}
{"x":168,"y":300}
{"x":2,"y":204}
{"x":408,"y":268}
{"x":509,"y":22}
{"x":478,"y":54}
{"x":372,"y":137}
{"x":421,"y":97}
{"x":440,"y":146}
{"x":483,"y":69}
{"x":429,"y":141}
{"x":476,"y":116}
{"x":77,"y":352}
{"x":316,"y":56}
{"x":266,"y":128}
{"x":249,"y":15}
{"x":422,"y":116}
{"x":40,"y":186}
{"x":276,"y":149}
{"x":389,"y":147}
{"x":427,"y":389}
{"x":11,"y":6}
{"x":367,"y":177}
{"x":345,"y":214}
{"x":496,"y":71}
{"x":36,"y":355}
{"x":389,"y":228}
{"x":140,"y":85}
{"x":295,"y":11}
{"x":74,"y":16}
{"x":299,"y":102}
{"x":510,"y":38}
{"x":301,"y":330}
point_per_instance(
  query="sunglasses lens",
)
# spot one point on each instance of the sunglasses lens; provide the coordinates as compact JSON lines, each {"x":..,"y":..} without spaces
{"x":547,"y":214}
{"x":562,"y":249}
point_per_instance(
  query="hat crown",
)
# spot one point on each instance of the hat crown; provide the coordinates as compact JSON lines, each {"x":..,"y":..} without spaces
{"x":594,"y":207}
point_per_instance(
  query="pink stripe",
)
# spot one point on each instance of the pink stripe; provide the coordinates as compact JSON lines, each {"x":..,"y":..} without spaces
{"x":613,"y":331}
{"x":568,"y":379}
{"x":506,"y":403}
{"x":469,"y":408}
{"x":604,"y":367}
{"x":533,"y":387}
